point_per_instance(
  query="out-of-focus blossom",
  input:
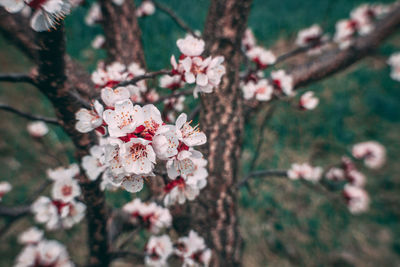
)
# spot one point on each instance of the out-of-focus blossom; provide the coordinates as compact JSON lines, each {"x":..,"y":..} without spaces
{"x":308,"y":101}
{"x":357,"y":199}
{"x":282,"y":82}
{"x":394,"y":62}
{"x":146,"y":8}
{"x":261,"y":56}
{"x":335,"y":174}
{"x":312,"y":37}
{"x":31,"y":236}
{"x":37,"y":129}
{"x":193,"y":250}
{"x":98,"y":41}
{"x":305,"y":171}
{"x":158,"y":250}
{"x":373,"y":154}
{"x":5,"y":187}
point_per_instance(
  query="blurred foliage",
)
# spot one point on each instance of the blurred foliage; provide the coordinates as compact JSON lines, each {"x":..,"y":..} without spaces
{"x":283,"y":223}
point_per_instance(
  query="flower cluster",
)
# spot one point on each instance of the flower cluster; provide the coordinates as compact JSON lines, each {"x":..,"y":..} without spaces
{"x":259,"y":55}
{"x":5,"y":187}
{"x":146,"y":8}
{"x":194,"y":69}
{"x":61,"y":210}
{"x":305,"y":171}
{"x":41,"y":252}
{"x":314,"y":38}
{"x":308,"y":101}
{"x":136,"y":137}
{"x":151,"y":216}
{"x":394,"y":62}
{"x":361,"y":22}
{"x":47,"y":13}
{"x":191,"y":250}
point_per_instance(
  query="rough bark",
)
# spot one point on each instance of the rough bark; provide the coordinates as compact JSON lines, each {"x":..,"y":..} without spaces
{"x":122,"y":32}
{"x":221,"y":119}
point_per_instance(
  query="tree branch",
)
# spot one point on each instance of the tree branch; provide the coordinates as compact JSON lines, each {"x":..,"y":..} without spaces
{"x":149,"y":75}
{"x":269,"y":173}
{"x":174,"y":17}
{"x":131,"y":254}
{"x":17,"y":77}
{"x":28,"y":116}
{"x":14,"y":211}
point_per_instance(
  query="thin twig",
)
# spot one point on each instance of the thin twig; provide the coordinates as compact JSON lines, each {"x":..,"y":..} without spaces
{"x":29,"y":116}
{"x":194,"y":112}
{"x":16,"y":77}
{"x":272,"y":173}
{"x":174,"y":17}
{"x":149,"y":75}
{"x":173,"y":95}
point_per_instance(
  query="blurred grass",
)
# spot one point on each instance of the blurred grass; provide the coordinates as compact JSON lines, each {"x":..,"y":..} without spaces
{"x":283,"y":223}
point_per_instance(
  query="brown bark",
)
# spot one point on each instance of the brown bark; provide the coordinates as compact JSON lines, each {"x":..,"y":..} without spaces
{"x":221,"y":116}
{"x":123,"y":35}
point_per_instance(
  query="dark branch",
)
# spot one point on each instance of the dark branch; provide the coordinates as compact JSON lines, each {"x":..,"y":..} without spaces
{"x":29,"y":116}
{"x":174,"y":17}
{"x":128,"y":254}
{"x":17,"y":77}
{"x":269,"y":173}
{"x":14,"y":211}
{"x":149,"y":75}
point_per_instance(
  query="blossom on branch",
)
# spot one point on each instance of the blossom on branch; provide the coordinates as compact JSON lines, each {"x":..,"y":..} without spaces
{"x":31,"y":236}
{"x":37,"y":129}
{"x":394,"y":62}
{"x":261,"y":90}
{"x":5,"y":187}
{"x":146,"y":8}
{"x":373,"y":154}
{"x":305,"y":171}
{"x":158,"y":249}
{"x":357,"y":199}
{"x":283,"y":83}
{"x":193,"y":250}
{"x":94,"y":14}
{"x":261,"y":56}
{"x":312,"y":37}
{"x":308,"y":101}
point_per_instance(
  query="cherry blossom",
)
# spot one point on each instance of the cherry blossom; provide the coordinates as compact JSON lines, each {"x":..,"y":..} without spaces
{"x":308,"y":101}
{"x":365,"y":15}
{"x":183,"y":164}
{"x":88,"y":120}
{"x":335,"y":174}
{"x":394,"y":62}
{"x":190,"y":136}
{"x":65,"y":189}
{"x":146,"y":8}
{"x":94,"y":164}
{"x":373,"y":154}
{"x":98,"y":41}
{"x":262,"y":57}
{"x":5,"y":187}
{"x":171,"y":82}
{"x":248,"y":40}
{"x":166,"y":142}
{"x":312,"y":37}
{"x":192,"y":249}
{"x":63,"y":173}
{"x":45,"y":253}
{"x":150,"y":215}
{"x":158,"y":250}
{"x":356,"y":178}
{"x":305,"y":171}
{"x":31,"y":236}
{"x":261,"y":90}
{"x":282,"y":82}
{"x":94,"y":14}
{"x":37,"y":129}
{"x":357,"y":199}
{"x":191,"y":46}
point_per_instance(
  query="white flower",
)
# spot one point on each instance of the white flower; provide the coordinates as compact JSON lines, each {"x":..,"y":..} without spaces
{"x":65,"y":189}
{"x":373,"y":153}
{"x":31,"y":236}
{"x":305,"y":171}
{"x":357,"y":199}
{"x":37,"y":129}
{"x":214,"y":72}
{"x":248,"y":40}
{"x":76,"y":213}
{"x":356,"y":178}
{"x":261,"y":90}
{"x":123,"y":119}
{"x":308,"y":101}
{"x":109,"y":76}
{"x":152,"y":96}
{"x":88,"y":120}
{"x":312,"y":36}
{"x":138,"y":156}
{"x":94,"y":164}
{"x":345,"y":31}
{"x":94,"y":14}
{"x":190,"y":46}
{"x":146,"y":8}
{"x":171,"y":82}
{"x":63,"y":173}
{"x":158,"y":249}
{"x":48,"y":13}
{"x":394,"y":62}
{"x":98,"y":41}
{"x":5,"y":187}
{"x":150,"y":215}
{"x":282,"y":82}
{"x":45,"y":253}
{"x":193,"y":250}
{"x":12,"y":6}
{"x":335,"y":174}
{"x":166,"y":142}
{"x":111,"y":96}
{"x":365,"y":15}
{"x":118,"y":2}
{"x":183,"y":164}
{"x":190,"y":136}
{"x":262,"y":57}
